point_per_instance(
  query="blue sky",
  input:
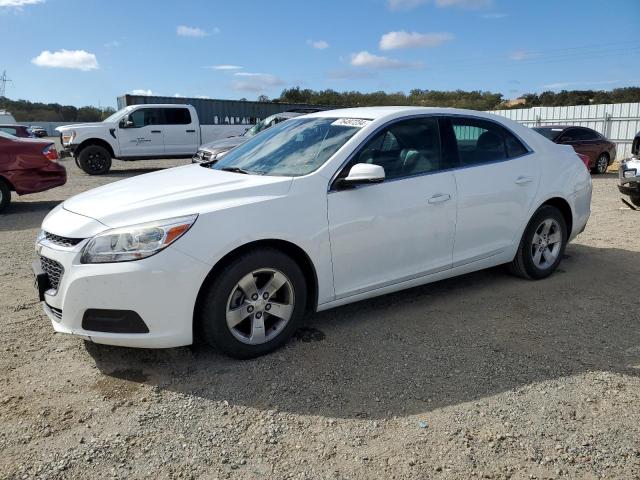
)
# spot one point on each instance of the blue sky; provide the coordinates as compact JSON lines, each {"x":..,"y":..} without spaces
{"x":87,"y":52}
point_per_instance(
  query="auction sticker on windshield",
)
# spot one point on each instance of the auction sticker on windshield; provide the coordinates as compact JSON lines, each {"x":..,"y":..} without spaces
{"x":351,"y":122}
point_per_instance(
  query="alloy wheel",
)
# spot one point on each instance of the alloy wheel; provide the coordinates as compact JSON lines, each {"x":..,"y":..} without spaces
{"x":603,"y":164}
{"x":546,"y":244}
{"x":260,"y":306}
{"x":96,"y":161}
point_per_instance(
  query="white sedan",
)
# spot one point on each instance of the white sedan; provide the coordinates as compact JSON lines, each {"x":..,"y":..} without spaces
{"x":319,"y":211}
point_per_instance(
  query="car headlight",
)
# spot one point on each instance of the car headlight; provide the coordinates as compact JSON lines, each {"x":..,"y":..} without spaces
{"x":136,"y":241}
{"x":630,"y":173}
{"x":68,"y":136}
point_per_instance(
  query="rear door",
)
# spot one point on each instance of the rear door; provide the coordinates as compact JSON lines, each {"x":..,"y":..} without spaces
{"x":180,"y":132}
{"x":144,"y":138}
{"x":497,"y":182}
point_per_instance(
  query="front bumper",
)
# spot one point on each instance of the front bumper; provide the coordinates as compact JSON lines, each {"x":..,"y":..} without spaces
{"x":629,"y":183}
{"x":161,"y":290}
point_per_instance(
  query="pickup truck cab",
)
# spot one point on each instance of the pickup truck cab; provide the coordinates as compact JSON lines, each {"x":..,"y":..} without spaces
{"x":134,"y":133}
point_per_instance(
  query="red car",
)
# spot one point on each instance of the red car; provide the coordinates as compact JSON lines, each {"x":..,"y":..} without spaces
{"x":600,"y":150}
{"x":21,"y":131}
{"x":27,"y":165}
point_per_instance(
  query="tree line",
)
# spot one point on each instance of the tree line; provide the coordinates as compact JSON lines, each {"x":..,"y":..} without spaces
{"x":26,"y":111}
{"x":474,"y":100}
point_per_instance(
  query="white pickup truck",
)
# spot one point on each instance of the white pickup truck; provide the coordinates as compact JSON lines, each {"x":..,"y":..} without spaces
{"x":134,"y":133}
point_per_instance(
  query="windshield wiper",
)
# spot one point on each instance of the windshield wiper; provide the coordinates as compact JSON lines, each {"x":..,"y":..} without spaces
{"x":236,"y":170}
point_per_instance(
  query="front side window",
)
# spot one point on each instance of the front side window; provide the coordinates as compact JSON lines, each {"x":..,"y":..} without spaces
{"x":146,"y":116}
{"x":480,"y":141}
{"x":405,"y":148}
{"x":292,"y":148}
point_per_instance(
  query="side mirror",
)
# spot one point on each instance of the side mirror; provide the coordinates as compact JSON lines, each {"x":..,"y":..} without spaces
{"x":126,"y":123}
{"x":362,"y":173}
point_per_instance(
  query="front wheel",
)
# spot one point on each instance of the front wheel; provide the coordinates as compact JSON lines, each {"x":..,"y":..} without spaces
{"x":635,"y":199}
{"x":542,"y":245}
{"x":254,"y":304}
{"x":602,"y":163}
{"x":94,"y":160}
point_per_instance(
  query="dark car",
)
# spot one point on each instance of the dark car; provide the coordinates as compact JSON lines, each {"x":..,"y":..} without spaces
{"x":20,"y":131}
{"x":600,"y":150}
{"x":27,"y":165}
{"x":39,"y":132}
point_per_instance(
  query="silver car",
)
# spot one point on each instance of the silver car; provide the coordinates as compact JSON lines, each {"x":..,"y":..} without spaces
{"x":217,"y":149}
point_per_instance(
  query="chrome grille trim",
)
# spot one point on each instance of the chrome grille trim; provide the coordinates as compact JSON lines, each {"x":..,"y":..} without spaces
{"x":62,"y":241}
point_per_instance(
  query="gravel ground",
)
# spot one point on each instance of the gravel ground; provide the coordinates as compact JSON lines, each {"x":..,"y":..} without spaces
{"x":482,"y":376}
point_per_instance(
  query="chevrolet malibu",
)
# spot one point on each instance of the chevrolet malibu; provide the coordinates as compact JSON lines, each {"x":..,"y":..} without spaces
{"x":316,"y":212}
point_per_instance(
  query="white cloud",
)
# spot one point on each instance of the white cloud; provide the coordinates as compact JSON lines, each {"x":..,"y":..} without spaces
{"x":368,"y":60}
{"x":113,"y":44}
{"x":256,"y":82}
{"x":561,"y":85}
{"x":185,"y":31}
{"x":18,"y":3}
{"x":522,"y":55}
{"x":318,"y":44}
{"x":402,"y":39}
{"x":409,"y":4}
{"x":146,"y":93}
{"x":225,"y":67}
{"x":75,"y":59}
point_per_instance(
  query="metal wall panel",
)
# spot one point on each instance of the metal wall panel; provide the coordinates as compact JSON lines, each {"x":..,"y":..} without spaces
{"x":618,"y":122}
{"x":218,"y":112}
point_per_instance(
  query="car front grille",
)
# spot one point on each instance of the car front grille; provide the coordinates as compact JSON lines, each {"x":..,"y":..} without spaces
{"x":62,"y":241}
{"x":53,"y":270}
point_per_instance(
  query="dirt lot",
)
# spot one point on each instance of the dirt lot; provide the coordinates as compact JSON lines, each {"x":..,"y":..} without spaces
{"x":483,"y":376}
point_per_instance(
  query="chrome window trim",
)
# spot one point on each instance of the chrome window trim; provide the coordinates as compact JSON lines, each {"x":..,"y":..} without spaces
{"x":332,"y":189}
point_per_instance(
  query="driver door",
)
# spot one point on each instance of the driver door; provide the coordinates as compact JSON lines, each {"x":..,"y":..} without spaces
{"x":144,"y":137}
{"x":402,"y":228}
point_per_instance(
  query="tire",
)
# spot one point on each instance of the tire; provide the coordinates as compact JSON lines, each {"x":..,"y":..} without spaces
{"x":531,"y":262}
{"x":602,"y":164}
{"x":94,"y":160}
{"x":225,"y":302}
{"x":635,"y":199}
{"x":5,"y":195}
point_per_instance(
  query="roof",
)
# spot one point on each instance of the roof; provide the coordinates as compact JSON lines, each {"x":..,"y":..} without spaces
{"x":374,"y":113}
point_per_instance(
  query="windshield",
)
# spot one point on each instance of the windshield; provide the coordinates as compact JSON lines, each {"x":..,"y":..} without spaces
{"x":291,"y":148}
{"x":263,"y":125}
{"x":114,"y":116}
{"x":550,"y":133}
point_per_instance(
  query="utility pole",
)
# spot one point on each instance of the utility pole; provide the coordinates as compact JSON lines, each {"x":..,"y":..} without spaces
{"x":3,"y":83}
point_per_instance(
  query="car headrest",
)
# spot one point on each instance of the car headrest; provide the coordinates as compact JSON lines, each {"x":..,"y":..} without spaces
{"x":489,"y":141}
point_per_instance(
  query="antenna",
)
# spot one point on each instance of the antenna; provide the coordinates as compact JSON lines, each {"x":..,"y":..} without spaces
{"x":3,"y":83}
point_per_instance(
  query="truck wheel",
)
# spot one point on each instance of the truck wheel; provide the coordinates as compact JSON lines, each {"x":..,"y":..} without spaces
{"x":5,"y":195}
{"x":95,"y":160}
{"x":635,"y":199}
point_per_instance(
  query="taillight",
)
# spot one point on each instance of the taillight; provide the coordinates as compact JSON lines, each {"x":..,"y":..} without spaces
{"x":585,"y":159}
{"x":50,"y":152}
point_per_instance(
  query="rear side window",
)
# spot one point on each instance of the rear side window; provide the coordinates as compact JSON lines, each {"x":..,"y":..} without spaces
{"x":177,"y":116}
{"x":480,"y":141}
{"x":9,"y":130}
{"x":586,"y":134}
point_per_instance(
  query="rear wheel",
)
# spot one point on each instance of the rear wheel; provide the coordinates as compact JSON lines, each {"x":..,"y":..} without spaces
{"x":254,"y":304}
{"x":5,"y":195}
{"x":602,"y":163}
{"x":542,"y":245}
{"x":94,"y":160}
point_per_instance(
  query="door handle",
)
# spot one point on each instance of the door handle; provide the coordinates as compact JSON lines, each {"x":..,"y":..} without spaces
{"x":191,"y":131}
{"x":523,"y":180}
{"x":156,"y":131}
{"x":439,"y":198}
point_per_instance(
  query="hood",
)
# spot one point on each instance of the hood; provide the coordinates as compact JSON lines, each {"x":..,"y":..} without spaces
{"x":172,"y":193}
{"x":224,"y":144}
{"x":77,"y":126}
